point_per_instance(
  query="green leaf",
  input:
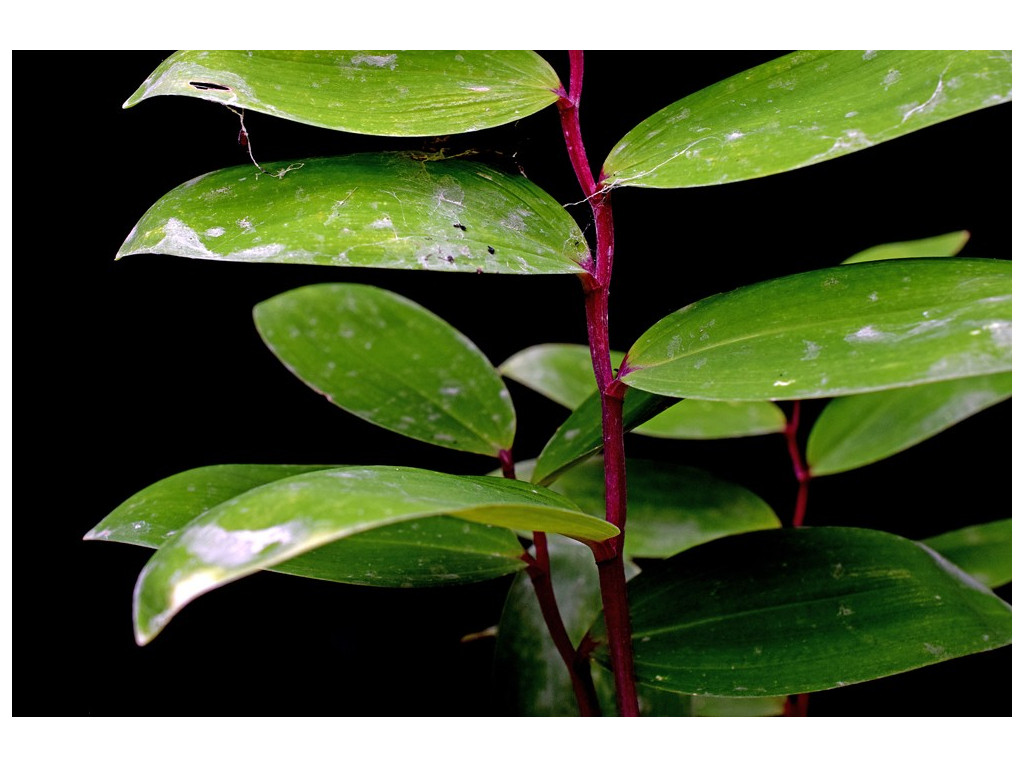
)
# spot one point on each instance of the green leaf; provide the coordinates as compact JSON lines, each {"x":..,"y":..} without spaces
{"x":277,"y":521}
{"x":789,"y":611}
{"x":388,"y":210}
{"x":581,"y":435}
{"x":803,"y":109}
{"x":671,"y":507}
{"x":658,"y":703}
{"x":391,"y":362}
{"x":984,"y":551}
{"x":837,"y":331}
{"x":385,"y":93}
{"x":715,"y":419}
{"x":939,"y":246}
{"x":563,"y":373}
{"x":423,"y":552}
{"x":858,"y":430}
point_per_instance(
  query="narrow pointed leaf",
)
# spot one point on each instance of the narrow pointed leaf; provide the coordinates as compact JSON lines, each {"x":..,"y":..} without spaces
{"x":803,"y":109}
{"x":671,"y":508}
{"x":837,"y":331}
{"x":385,"y":93}
{"x":422,"y":552}
{"x":858,"y":430}
{"x":391,"y":362}
{"x":779,"y":612}
{"x":580,"y":435}
{"x":984,"y":551}
{"x":390,"y":210}
{"x":563,"y":373}
{"x":939,"y":246}
{"x":276,"y":522}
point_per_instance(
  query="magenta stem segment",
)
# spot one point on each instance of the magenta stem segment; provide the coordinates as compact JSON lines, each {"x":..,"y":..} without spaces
{"x":796,"y":706}
{"x":539,"y":569}
{"x":800,"y":470}
{"x":596,"y":282}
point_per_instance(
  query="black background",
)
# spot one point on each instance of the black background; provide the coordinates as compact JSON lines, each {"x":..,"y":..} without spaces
{"x":135,"y":370}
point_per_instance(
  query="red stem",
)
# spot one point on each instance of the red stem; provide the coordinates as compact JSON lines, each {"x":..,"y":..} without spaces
{"x":800,"y":470}
{"x":596,"y":283}
{"x":796,"y":706}
{"x":539,"y":570}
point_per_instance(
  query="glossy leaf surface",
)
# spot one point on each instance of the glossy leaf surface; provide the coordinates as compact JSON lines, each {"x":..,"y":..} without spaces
{"x":424,"y":552}
{"x":580,"y":435}
{"x":858,"y":430}
{"x":391,"y":210}
{"x":803,"y":109}
{"x":385,"y":93}
{"x":671,"y":508}
{"x":984,"y":551}
{"x":837,"y":331}
{"x":939,"y":246}
{"x":285,"y":518}
{"x":391,"y":362}
{"x":796,"y":610}
{"x":563,"y":373}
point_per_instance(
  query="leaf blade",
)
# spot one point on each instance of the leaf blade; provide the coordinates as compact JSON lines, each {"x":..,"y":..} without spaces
{"x":424,"y":552}
{"x":798,"y":610}
{"x":282,"y":519}
{"x":984,"y":551}
{"x":383,"y":93}
{"x":380,"y":210}
{"x":363,"y":348}
{"x":837,"y":331}
{"x":858,"y":430}
{"x":940,"y":246}
{"x":803,"y":109}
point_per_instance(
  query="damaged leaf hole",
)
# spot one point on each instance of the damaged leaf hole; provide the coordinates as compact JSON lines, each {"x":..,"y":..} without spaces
{"x":208,"y":86}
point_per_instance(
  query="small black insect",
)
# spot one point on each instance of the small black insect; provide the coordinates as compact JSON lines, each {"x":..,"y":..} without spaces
{"x":490,"y":250}
{"x":208,"y":86}
{"x":460,"y":226}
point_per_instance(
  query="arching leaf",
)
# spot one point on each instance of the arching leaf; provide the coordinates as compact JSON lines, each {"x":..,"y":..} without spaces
{"x":370,"y":210}
{"x":280,"y":520}
{"x":423,"y":552}
{"x":391,"y":362}
{"x":803,"y":109}
{"x":837,"y":331}
{"x":385,"y":93}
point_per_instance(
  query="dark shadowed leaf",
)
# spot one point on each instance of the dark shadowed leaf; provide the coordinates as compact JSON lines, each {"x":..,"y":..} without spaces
{"x":927,"y":248}
{"x":837,"y":331}
{"x":391,"y":210}
{"x":984,"y":551}
{"x":858,"y":430}
{"x":385,"y":93}
{"x":275,"y":522}
{"x":803,"y":109}
{"x":390,"y":361}
{"x":779,"y":612}
{"x":671,"y":507}
{"x":423,"y":552}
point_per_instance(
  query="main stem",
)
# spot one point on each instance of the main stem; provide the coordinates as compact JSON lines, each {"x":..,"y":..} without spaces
{"x":796,"y":706}
{"x":596,"y":284}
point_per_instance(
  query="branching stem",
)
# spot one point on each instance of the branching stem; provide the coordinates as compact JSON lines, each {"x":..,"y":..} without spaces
{"x":596,"y":282}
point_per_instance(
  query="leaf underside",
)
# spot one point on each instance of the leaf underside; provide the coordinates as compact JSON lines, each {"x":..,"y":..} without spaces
{"x":984,"y":551}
